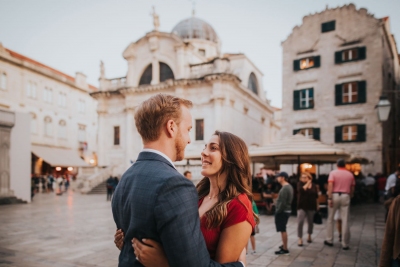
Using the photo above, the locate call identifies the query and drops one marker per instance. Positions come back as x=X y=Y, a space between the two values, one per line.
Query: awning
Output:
x=58 y=157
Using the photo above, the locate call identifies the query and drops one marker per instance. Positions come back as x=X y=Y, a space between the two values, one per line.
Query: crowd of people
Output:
x=47 y=183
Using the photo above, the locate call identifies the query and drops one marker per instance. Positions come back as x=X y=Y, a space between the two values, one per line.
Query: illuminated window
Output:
x=349 y=133
x=350 y=92
x=306 y=63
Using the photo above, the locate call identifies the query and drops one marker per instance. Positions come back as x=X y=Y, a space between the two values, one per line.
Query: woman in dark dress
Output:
x=307 y=204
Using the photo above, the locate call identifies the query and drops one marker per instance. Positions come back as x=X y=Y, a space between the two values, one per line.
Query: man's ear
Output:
x=171 y=128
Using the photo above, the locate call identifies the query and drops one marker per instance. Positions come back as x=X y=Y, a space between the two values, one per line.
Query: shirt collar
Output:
x=159 y=153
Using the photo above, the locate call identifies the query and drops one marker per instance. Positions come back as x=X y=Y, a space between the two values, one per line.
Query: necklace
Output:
x=209 y=197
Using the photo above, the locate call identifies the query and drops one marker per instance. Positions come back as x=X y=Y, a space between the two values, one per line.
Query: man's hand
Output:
x=119 y=239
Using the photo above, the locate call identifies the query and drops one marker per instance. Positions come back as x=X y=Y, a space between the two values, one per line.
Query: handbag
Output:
x=317 y=218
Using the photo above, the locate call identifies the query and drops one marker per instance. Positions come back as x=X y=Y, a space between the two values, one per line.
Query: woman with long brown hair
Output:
x=226 y=215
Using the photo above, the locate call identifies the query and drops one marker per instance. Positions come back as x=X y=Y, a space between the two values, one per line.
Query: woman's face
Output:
x=211 y=158
x=304 y=178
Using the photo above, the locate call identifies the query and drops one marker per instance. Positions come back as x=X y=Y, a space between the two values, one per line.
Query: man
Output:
x=340 y=190
x=390 y=183
x=153 y=200
x=283 y=210
x=188 y=175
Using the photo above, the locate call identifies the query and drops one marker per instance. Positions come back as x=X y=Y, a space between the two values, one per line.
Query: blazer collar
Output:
x=146 y=155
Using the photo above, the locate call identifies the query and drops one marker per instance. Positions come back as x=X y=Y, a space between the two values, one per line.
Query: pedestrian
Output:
x=115 y=183
x=110 y=187
x=66 y=182
x=268 y=195
x=391 y=182
x=307 y=204
x=59 y=181
x=283 y=210
x=50 y=180
x=254 y=232
x=390 y=253
x=341 y=185
x=188 y=175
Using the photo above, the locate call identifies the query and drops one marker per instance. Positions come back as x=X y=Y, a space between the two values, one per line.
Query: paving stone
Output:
x=76 y=230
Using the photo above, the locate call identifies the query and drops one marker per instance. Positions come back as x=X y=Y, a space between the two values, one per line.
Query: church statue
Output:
x=156 y=19
x=102 y=71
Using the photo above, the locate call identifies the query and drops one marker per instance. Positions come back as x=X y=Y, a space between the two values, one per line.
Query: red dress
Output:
x=239 y=210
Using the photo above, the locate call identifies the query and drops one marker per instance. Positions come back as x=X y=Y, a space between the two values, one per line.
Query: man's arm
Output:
x=178 y=225
x=329 y=193
x=280 y=201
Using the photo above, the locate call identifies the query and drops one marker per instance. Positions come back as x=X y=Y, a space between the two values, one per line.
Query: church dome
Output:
x=194 y=28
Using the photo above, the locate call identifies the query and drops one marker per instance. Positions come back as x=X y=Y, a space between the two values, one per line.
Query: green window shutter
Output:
x=361 y=133
x=296 y=65
x=317 y=61
x=296 y=100
x=338 y=134
x=311 y=94
x=338 y=94
x=295 y=131
x=316 y=133
x=338 y=57
x=362 y=53
x=362 y=92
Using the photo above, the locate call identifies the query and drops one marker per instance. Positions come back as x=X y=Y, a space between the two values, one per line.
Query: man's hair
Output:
x=186 y=172
x=155 y=112
x=341 y=163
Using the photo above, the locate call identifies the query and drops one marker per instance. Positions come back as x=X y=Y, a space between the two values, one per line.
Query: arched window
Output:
x=165 y=72
x=62 y=129
x=48 y=127
x=3 y=81
x=147 y=75
x=253 y=85
x=33 y=123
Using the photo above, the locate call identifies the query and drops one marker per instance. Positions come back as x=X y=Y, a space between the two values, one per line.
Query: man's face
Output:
x=183 y=137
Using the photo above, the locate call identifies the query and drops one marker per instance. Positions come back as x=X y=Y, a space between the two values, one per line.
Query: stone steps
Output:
x=11 y=200
x=99 y=189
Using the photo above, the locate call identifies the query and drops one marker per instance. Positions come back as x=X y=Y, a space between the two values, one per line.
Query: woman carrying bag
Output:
x=307 y=204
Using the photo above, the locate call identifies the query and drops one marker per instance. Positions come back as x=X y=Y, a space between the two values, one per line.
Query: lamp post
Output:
x=383 y=108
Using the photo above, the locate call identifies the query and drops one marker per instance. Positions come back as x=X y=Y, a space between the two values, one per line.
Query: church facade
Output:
x=226 y=91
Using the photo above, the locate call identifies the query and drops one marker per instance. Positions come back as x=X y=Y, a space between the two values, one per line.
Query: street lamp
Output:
x=383 y=108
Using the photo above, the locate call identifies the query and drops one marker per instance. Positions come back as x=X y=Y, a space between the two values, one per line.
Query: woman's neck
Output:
x=217 y=184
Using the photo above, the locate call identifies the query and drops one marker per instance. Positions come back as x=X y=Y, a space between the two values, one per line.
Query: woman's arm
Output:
x=232 y=241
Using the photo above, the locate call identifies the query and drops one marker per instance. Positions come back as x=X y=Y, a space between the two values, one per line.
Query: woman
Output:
x=225 y=209
x=307 y=204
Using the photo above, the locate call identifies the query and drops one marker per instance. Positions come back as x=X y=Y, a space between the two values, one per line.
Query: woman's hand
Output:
x=150 y=253
x=119 y=239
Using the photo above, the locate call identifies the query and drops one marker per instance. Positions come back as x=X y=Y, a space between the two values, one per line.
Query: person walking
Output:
x=254 y=232
x=283 y=210
x=307 y=204
x=390 y=183
x=110 y=187
x=341 y=185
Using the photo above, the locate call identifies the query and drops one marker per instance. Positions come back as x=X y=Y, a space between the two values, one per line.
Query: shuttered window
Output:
x=350 y=93
x=308 y=132
x=328 y=26
x=350 y=133
x=307 y=63
x=348 y=55
x=200 y=129
x=303 y=99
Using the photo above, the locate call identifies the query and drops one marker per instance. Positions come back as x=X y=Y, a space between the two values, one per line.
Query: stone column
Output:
x=156 y=71
x=130 y=128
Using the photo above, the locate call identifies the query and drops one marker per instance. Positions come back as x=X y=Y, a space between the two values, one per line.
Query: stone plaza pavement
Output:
x=77 y=230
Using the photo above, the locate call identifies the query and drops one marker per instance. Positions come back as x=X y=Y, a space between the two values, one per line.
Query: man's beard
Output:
x=179 y=147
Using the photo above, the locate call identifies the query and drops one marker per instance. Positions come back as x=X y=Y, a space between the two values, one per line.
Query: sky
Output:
x=74 y=35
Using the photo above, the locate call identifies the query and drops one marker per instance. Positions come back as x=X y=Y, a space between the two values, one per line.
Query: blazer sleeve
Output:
x=178 y=225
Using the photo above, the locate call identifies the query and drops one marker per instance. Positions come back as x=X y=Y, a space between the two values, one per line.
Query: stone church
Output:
x=225 y=88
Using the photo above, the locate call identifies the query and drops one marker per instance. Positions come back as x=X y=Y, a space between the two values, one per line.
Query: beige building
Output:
x=336 y=65
x=63 y=118
x=226 y=90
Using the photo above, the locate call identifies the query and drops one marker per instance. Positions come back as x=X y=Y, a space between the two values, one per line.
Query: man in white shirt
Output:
x=391 y=182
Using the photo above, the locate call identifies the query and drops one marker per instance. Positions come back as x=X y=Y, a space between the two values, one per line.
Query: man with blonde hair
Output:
x=153 y=200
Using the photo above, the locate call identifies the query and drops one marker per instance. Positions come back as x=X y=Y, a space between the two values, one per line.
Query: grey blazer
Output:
x=153 y=200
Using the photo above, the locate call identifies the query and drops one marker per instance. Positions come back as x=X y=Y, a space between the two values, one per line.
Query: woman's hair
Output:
x=236 y=166
x=307 y=174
